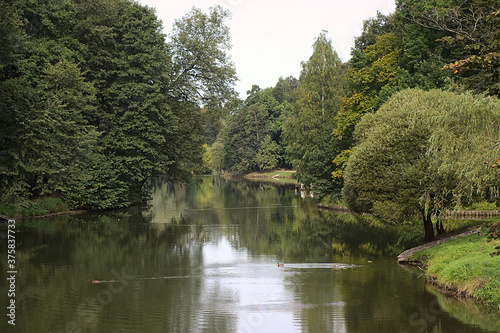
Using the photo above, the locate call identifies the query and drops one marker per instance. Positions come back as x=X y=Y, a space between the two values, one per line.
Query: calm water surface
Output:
x=203 y=258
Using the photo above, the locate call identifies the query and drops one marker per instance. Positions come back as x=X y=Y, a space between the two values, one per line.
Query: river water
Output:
x=204 y=258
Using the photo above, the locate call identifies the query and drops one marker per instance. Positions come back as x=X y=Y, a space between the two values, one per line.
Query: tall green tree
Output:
x=45 y=96
x=11 y=47
x=373 y=76
x=201 y=69
x=200 y=73
x=150 y=124
x=307 y=132
x=283 y=93
x=135 y=117
x=245 y=130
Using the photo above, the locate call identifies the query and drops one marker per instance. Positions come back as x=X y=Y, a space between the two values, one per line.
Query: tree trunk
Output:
x=428 y=227
x=439 y=227
x=439 y=223
x=256 y=127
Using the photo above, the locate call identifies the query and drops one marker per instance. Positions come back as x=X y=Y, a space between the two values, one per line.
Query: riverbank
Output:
x=461 y=264
x=275 y=176
x=70 y=212
x=448 y=214
x=43 y=207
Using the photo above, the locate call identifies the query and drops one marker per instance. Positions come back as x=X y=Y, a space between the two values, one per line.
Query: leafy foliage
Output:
x=422 y=151
x=307 y=131
x=93 y=101
x=267 y=158
x=253 y=133
x=201 y=69
x=372 y=76
x=217 y=156
x=471 y=29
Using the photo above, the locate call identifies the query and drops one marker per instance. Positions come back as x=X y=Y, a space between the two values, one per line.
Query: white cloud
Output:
x=272 y=37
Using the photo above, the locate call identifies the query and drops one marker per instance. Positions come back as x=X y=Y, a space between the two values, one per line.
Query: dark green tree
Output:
x=11 y=86
x=267 y=157
x=283 y=90
x=92 y=100
x=10 y=34
x=259 y=116
x=307 y=131
x=245 y=129
x=187 y=142
x=44 y=97
x=135 y=117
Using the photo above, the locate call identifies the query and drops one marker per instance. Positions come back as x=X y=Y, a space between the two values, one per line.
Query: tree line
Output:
x=408 y=125
x=95 y=101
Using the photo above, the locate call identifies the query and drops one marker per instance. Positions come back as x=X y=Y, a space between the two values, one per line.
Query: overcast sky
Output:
x=272 y=37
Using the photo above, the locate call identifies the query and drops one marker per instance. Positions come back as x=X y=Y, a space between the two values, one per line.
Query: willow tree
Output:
x=307 y=132
x=423 y=152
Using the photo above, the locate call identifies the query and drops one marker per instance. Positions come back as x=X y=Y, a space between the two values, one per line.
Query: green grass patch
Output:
x=333 y=200
x=482 y=206
x=36 y=207
x=465 y=264
x=453 y=225
x=276 y=176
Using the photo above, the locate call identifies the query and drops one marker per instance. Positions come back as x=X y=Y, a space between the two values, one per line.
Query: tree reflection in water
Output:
x=203 y=257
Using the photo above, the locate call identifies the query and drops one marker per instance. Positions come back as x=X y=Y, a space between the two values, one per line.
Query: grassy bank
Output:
x=464 y=266
x=43 y=206
x=282 y=176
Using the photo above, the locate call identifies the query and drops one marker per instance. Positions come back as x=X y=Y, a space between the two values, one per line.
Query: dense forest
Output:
x=96 y=101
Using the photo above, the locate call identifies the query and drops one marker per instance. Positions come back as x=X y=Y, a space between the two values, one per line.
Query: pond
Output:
x=204 y=258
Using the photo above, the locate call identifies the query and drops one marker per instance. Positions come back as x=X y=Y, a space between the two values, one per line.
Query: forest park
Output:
x=98 y=98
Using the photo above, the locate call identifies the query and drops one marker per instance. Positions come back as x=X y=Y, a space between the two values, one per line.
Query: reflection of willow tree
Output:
x=304 y=233
x=389 y=308
x=340 y=294
x=364 y=236
x=52 y=289
x=397 y=300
